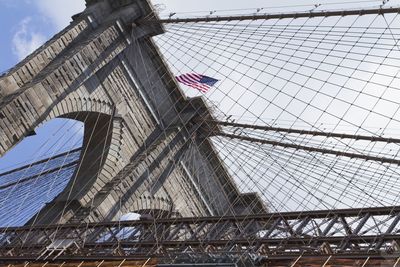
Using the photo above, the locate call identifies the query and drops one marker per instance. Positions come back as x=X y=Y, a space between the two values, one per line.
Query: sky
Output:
x=27 y=24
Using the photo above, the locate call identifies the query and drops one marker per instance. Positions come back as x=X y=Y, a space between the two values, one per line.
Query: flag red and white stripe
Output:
x=200 y=82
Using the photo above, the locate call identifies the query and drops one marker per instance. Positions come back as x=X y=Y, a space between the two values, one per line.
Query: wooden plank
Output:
x=127 y=263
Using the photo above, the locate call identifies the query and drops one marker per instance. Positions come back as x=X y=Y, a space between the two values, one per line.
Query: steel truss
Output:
x=372 y=232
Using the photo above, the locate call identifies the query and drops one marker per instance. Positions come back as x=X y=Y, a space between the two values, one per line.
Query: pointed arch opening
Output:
x=42 y=177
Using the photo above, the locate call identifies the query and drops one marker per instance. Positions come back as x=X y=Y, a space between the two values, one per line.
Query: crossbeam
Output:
x=267 y=128
x=309 y=148
x=373 y=230
x=313 y=14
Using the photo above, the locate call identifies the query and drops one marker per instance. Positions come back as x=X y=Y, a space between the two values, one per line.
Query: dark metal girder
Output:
x=375 y=211
x=164 y=237
x=290 y=241
x=309 y=149
x=358 y=12
x=307 y=132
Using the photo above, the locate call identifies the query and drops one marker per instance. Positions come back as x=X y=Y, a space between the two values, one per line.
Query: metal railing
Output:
x=349 y=232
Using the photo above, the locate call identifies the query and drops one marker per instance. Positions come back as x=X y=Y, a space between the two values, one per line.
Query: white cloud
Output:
x=60 y=11
x=26 y=40
x=130 y=217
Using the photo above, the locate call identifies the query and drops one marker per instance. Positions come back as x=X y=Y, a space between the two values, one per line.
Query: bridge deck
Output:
x=296 y=262
x=342 y=234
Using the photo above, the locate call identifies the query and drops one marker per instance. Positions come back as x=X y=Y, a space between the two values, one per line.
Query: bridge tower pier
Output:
x=105 y=70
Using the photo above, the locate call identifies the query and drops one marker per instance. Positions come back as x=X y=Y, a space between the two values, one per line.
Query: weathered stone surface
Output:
x=136 y=127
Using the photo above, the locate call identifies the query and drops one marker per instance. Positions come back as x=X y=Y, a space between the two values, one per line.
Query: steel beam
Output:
x=309 y=148
x=314 y=14
x=307 y=132
x=281 y=234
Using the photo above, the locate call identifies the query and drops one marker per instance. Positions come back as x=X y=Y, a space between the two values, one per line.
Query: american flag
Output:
x=200 y=82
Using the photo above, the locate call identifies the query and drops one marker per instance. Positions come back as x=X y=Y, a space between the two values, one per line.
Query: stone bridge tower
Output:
x=105 y=70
